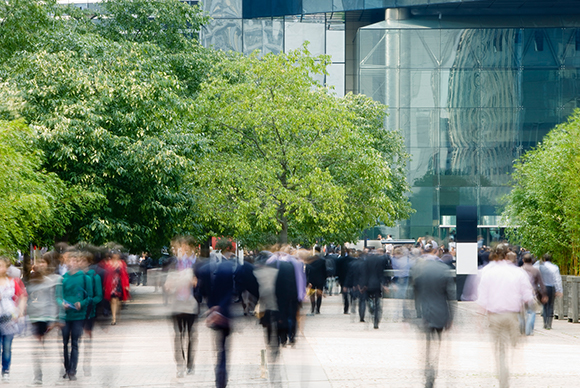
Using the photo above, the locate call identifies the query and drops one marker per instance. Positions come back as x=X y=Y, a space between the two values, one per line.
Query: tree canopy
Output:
x=30 y=199
x=542 y=209
x=142 y=134
x=111 y=105
x=293 y=160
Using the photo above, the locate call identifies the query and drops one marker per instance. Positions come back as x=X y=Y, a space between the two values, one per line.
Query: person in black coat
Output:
x=216 y=283
x=435 y=293
x=145 y=263
x=375 y=266
x=316 y=279
x=356 y=279
x=342 y=269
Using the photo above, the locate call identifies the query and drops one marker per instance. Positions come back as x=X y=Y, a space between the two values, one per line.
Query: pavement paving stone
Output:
x=333 y=350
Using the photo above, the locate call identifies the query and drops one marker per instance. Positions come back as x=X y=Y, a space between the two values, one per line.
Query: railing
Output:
x=567 y=307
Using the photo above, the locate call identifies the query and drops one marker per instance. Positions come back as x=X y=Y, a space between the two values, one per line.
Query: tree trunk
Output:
x=283 y=235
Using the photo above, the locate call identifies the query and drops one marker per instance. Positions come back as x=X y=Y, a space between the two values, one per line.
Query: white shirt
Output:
x=503 y=287
x=550 y=274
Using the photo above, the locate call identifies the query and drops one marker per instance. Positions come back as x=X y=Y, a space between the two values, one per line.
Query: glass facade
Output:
x=469 y=98
x=325 y=33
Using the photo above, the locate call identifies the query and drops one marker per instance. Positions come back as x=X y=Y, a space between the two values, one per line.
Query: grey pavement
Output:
x=332 y=350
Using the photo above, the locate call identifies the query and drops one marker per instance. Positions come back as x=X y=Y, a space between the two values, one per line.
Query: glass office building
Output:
x=471 y=85
x=470 y=94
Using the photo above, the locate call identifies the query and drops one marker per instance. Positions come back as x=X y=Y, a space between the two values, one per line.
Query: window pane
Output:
x=299 y=32
x=223 y=8
x=223 y=34
x=335 y=45
x=266 y=35
x=335 y=78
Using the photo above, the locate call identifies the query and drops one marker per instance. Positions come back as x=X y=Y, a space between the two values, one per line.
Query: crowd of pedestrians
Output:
x=69 y=286
x=64 y=290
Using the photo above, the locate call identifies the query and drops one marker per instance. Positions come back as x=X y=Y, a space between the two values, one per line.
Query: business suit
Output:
x=342 y=268
x=217 y=285
x=435 y=293
x=375 y=266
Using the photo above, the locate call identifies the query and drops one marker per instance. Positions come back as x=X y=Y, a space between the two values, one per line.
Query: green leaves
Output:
x=171 y=24
x=543 y=205
x=112 y=105
x=30 y=199
x=291 y=158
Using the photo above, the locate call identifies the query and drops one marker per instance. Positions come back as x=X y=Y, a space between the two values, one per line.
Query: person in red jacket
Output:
x=116 y=283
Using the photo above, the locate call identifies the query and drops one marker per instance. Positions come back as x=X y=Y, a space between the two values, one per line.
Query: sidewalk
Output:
x=332 y=350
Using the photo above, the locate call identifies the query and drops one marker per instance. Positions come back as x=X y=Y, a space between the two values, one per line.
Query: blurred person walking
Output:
x=539 y=292
x=375 y=281
x=76 y=295
x=502 y=291
x=401 y=264
x=287 y=295
x=553 y=282
x=42 y=307
x=357 y=278
x=179 y=286
x=217 y=285
x=316 y=279
x=13 y=300
x=116 y=283
x=434 y=289
x=268 y=312
x=343 y=264
x=330 y=262
x=145 y=264
x=85 y=260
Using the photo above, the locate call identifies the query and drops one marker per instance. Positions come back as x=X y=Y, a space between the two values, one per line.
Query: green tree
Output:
x=112 y=102
x=168 y=23
x=33 y=203
x=542 y=208
x=23 y=24
x=293 y=160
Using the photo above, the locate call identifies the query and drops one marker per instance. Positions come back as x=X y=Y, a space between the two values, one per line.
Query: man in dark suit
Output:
x=375 y=280
x=216 y=282
x=316 y=279
x=435 y=293
x=342 y=268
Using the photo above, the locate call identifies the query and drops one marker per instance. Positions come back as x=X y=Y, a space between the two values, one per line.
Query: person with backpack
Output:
x=86 y=259
x=75 y=296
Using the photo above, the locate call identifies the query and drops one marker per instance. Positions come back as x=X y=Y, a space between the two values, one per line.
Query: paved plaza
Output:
x=332 y=350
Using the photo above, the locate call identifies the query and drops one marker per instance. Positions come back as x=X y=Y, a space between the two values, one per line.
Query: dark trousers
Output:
x=345 y=301
x=433 y=344
x=143 y=276
x=221 y=374
x=287 y=323
x=72 y=332
x=548 y=311
x=362 y=304
x=375 y=297
x=184 y=339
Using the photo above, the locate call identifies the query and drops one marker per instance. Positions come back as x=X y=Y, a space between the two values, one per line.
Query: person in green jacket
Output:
x=76 y=295
x=86 y=259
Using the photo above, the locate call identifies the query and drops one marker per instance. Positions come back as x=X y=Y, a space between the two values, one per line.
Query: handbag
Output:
x=216 y=320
